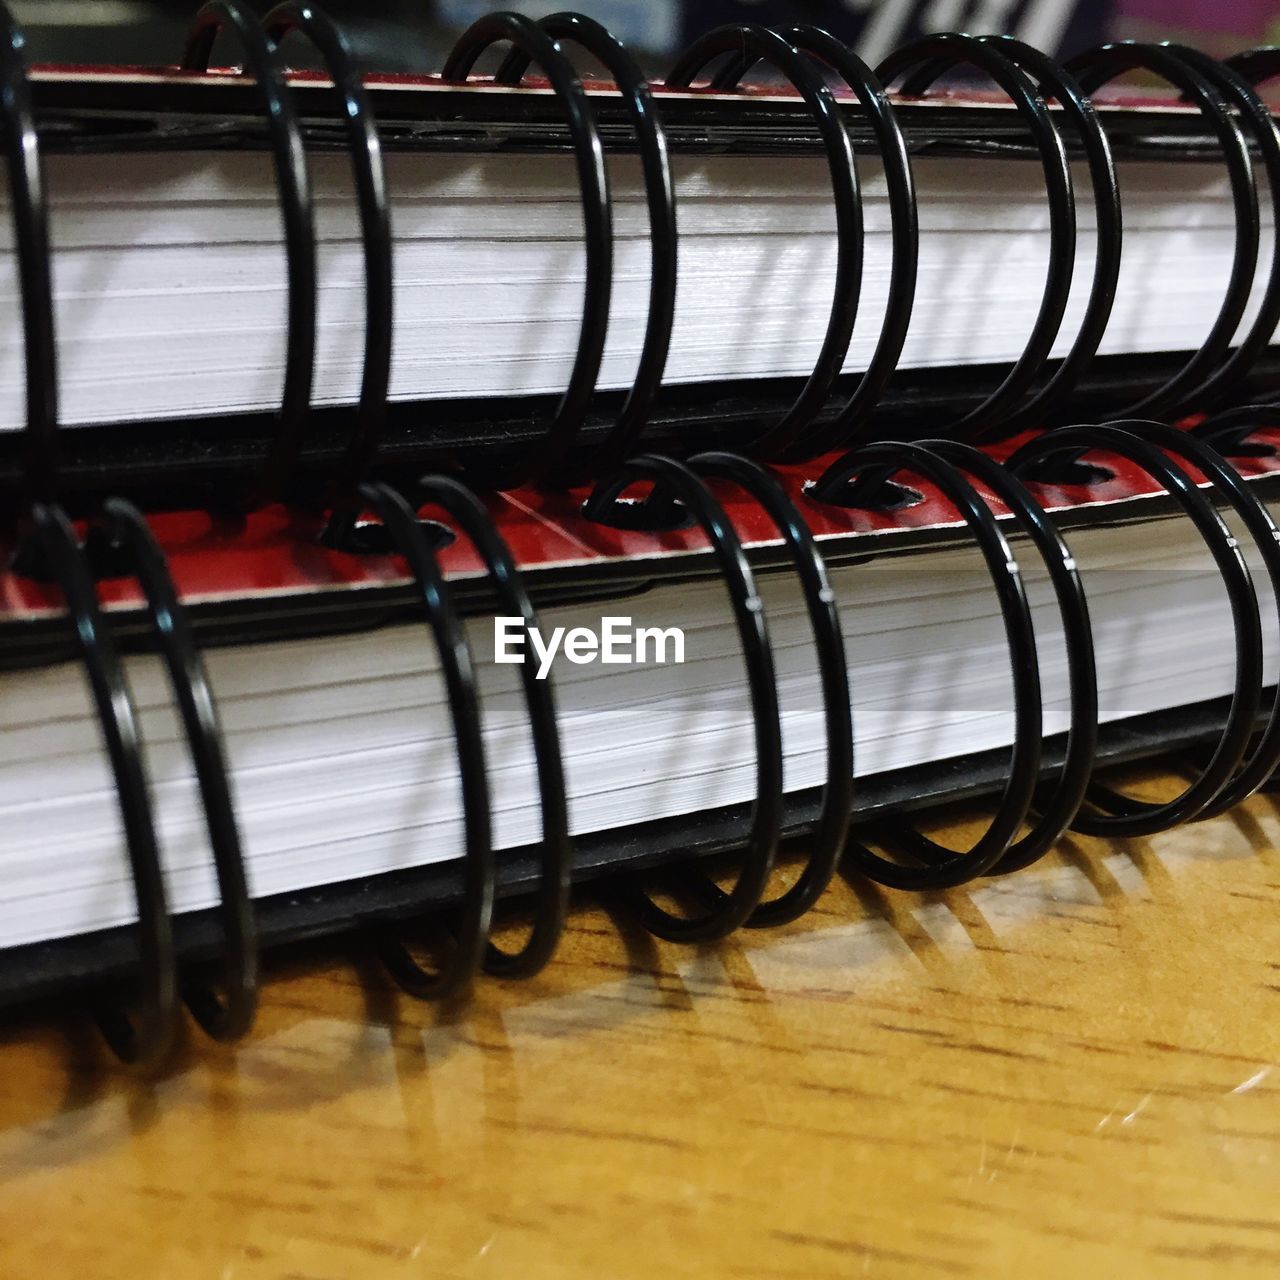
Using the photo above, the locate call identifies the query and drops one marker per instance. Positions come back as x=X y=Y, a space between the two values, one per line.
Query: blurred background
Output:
x=412 y=35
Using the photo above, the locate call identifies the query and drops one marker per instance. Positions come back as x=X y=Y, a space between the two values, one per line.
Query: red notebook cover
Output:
x=277 y=553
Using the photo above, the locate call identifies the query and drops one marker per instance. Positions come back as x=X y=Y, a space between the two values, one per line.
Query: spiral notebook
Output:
x=634 y=369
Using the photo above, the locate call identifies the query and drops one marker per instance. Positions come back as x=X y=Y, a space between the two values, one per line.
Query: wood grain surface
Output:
x=1071 y=1071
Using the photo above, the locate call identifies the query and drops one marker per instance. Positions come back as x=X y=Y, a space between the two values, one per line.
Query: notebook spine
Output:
x=1033 y=810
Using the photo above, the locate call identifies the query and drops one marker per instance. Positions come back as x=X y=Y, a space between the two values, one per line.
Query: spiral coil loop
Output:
x=1232 y=490
x=1108 y=221
x=375 y=222
x=828 y=638
x=472 y=948
x=1257 y=118
x=749 y=45
x=847 y=480
x=229 y=1017
x=47 y=530
x=539 y=48
x=660 y=199
x=1121 y=815
x=1229 y=429
x=1099 y=67
x=824 y=620
x=726 y=911
x=468 y=942
x=921 y=63
x=293 y=183
x=552 y=899
x=943 y=867
x=853 y=419
x=148 y=1041
x=1055 y=807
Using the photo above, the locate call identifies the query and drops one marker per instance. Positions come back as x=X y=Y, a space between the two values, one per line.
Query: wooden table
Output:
x=1069 y=1072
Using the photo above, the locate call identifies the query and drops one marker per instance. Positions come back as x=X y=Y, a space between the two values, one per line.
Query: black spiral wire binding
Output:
x=1110 y=812
x=1221 y=784
x=471 y=948
x=350 y=493
x=1217 y=89
x=943 y=867
x=261 y=42
x=468 y=939
x=148 y=1040
x=921 y=62
x=31 y=230
x=904 y=223
x=1199 y=377
x=537 y=47
x=365 y=150
x=1054 y=81
x=293 y=183
x=1235 y=493
x=824 y=620
x=660 y=198
x=726 y=911
x=749 y=45
x=1057 y=804
x=552 y=900
x=1256 y=66
x=1229 y=429
x=783 y=49
x=679 y=491
x=229 y=1016
x=1254 y=114
x=55 y=552
x=1014 y=403
x=1225 y=779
